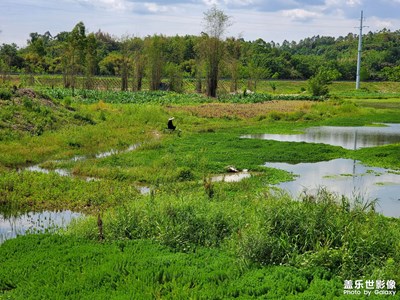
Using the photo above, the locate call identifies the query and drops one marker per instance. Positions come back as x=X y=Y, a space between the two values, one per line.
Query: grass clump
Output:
x=323 y=232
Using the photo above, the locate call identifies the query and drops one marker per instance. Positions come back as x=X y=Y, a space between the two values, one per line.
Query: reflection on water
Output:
x=346 y=137
x=64 y=172
x=33 y=222
x=37 y=168
x=144 y=190
x=113 y=151
x=235 y=177
x=346 y=177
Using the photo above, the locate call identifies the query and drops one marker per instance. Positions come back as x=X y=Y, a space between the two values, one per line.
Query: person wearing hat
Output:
x=170 y=125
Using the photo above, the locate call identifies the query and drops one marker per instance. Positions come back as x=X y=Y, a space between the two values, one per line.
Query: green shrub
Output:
x=5 y=94
x=320 y=232
x=185 y=174
x=318 y=84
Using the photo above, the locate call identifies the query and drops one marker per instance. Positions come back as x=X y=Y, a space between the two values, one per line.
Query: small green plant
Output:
x=273 y=86
x=102 y=116
x=67 y=101
x=185 y=174
x=208 y=187
x=28 y=103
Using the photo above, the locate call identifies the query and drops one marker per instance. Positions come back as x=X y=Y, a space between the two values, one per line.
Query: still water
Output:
x=346 y=137
x=346 y=177
x=34 y=222
x=234 y=177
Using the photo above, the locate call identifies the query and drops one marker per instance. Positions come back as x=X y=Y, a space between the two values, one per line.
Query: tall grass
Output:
x=265 y=229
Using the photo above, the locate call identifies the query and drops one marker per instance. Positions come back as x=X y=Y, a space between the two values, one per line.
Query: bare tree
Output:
x=216 y=22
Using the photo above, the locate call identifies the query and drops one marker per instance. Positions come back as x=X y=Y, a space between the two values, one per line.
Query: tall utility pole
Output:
x=359 y=53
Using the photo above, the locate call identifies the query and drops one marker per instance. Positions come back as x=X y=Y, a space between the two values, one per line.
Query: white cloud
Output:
x=354 y=3
x=211 y=2
x=116 y=5
x=155 y=8
x=299 y=14
x=380 y=23
x=343 y=4
x=239 y=3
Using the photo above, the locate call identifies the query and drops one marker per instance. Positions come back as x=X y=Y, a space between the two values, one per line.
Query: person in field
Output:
x=170 y=124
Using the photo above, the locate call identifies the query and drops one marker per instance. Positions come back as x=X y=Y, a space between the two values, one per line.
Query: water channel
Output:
x=344 y=176
x=34 y=222
x=347 y=137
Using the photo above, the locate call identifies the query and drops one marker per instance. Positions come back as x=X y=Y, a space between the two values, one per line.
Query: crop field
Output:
x=251 y=110
x=157 y=224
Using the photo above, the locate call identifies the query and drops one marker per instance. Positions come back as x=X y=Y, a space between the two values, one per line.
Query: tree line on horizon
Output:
x=207 y=55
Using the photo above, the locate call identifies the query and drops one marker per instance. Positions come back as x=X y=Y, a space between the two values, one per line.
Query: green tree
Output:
x=110 y=65
x=174 y=73
x=91 y=60
x=155 y=55
x=126 y=63
x=139 y=63
x=256 y=73
x=391 y=73
x=318 y=84
x=10 y=57
x=233 y=47
x=74 y=54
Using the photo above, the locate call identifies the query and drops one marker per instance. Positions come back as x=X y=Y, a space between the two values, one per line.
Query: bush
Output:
x=318 y=84
x=320 y=232
x=185 y=174
x=5 y=94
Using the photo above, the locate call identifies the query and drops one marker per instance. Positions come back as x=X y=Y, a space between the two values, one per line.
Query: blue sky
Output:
x=251 y=19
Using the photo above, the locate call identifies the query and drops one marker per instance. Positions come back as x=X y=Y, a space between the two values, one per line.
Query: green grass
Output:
x=215 y=151
x=189 y=237
x=219 y=249
x=69 y=268
x=24 y=115
x=389 y=103
x=35 y=191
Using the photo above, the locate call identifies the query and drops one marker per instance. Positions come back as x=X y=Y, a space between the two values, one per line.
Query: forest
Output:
x=176 y=57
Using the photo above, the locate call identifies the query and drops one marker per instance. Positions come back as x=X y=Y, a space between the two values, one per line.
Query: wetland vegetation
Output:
x=190 y=236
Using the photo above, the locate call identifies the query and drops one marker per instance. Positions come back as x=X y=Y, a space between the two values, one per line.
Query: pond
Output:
x=346 y=177
x=347 y=137
x=33 y=222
